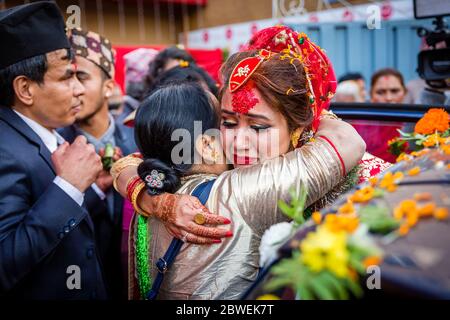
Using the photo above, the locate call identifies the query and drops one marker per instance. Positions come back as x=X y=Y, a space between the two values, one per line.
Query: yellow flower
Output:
x=268 y=297
x=432 y=140
x=414 y=171
x=324 y=249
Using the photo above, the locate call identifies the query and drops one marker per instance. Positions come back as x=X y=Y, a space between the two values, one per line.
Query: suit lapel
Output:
x=10 y=117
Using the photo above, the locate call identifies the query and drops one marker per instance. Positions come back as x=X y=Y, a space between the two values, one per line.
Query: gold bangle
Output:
x=120 y=165
x=134 y=198
x=128 y=182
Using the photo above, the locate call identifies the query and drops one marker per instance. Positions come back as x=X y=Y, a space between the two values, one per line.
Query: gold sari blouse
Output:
x=248 y=196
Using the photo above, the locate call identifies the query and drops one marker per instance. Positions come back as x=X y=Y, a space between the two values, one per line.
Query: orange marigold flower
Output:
x=398 y=176
x=441 y=213
x=423 y=196
x=420 y=153
x=398 y=213
x=371 y=261
x=412 y=218
x=446 y=149
x=414 y=171
x=407 y=208
x=391 y=187
x=317 y=217
x=363 y=195
x=337 y=223
x=403 y=157
x=434 y=120
x=403 y=230
x=347 y=207
x=427 y=210
x=408 y=205
x=353 y=274
x=448 y=166
x=373 y=181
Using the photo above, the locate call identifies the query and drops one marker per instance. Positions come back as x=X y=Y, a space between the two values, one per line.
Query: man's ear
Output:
x=24 y=90
x=208 y=148
x=108 y=88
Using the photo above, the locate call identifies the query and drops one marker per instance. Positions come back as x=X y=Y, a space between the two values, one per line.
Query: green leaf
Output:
x=336 y=283
x=354 y=287
x=378 y=219
x=286 y=209
x=404 y=134
x=321 y=289
x=303 y=292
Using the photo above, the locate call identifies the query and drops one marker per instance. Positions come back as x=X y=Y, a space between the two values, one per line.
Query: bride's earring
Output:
x=214 y=155
x=295 y=137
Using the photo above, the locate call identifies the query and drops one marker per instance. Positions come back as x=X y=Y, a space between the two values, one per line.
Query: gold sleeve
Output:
x=254 y=191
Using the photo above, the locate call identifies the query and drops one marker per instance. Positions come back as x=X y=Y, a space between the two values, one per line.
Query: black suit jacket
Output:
x=43 y=231
x=108 y=225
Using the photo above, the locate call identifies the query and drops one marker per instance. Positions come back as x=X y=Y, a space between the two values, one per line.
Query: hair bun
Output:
x=158 y=176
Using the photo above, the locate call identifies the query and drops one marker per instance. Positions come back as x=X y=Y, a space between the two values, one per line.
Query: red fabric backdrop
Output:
x=210 y=60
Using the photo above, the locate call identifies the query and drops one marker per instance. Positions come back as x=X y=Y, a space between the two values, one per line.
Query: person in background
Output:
x=387 y=86
x=136 y=69
x=359 y=80
x=348 y=91
x=414 y=89
x=116 y=103
x=165 y=60
x=47 y=238
x=189 y=73
x=95 y=70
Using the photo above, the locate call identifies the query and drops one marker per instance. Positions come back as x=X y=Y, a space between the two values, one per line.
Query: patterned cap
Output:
x=94 y=47
x=136 y=63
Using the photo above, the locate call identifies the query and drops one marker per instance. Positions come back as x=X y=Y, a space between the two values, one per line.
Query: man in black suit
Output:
x=95 y=70
x=47 y=239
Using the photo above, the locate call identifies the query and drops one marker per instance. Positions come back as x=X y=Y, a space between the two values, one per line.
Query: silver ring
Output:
x=184 y=237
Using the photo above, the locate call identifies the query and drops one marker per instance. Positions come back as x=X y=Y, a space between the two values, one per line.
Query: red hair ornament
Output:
x=243 y=98
x=318 y=68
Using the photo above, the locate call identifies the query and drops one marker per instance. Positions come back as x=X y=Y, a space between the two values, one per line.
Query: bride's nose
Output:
x=242 y=139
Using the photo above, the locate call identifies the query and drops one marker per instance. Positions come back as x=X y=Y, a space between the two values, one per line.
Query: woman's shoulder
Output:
x=189 y=183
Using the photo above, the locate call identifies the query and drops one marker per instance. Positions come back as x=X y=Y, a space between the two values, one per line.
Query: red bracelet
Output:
x=132 y=185
x=335 y=150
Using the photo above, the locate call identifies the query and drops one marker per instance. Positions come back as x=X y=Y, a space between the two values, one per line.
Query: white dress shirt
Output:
x=51 y=140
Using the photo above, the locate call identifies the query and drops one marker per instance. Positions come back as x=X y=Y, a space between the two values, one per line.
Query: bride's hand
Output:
x=178 y=212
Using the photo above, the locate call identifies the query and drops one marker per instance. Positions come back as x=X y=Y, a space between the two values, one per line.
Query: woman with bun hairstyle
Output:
x=286 y=92
x=245 y=196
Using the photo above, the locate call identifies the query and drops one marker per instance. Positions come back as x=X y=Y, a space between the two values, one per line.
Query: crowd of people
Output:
x=74 y=225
